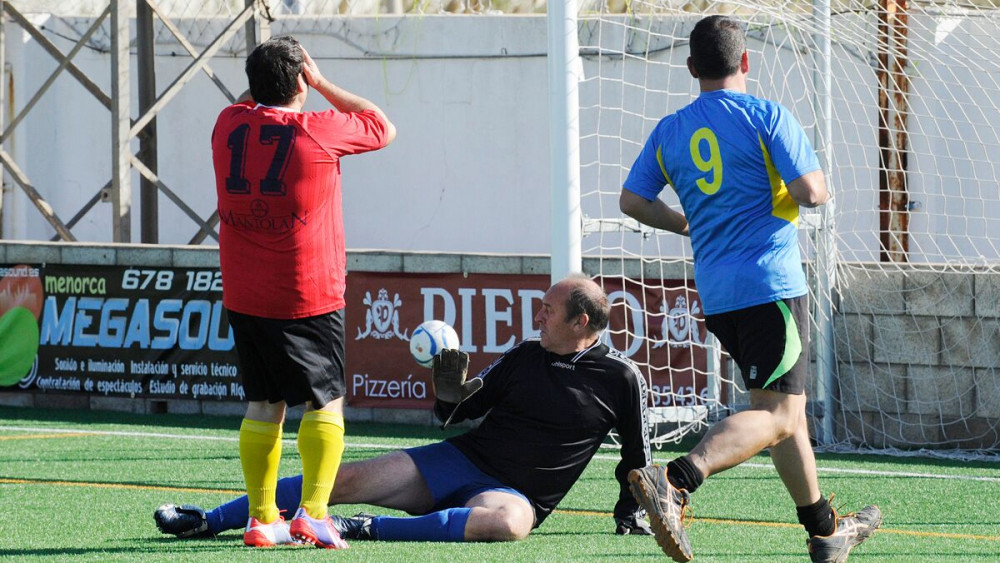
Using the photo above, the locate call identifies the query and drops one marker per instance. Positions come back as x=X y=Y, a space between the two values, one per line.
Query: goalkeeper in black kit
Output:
x=547 y=405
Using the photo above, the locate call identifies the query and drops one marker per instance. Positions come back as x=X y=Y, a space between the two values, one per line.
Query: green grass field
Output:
x=82 y=486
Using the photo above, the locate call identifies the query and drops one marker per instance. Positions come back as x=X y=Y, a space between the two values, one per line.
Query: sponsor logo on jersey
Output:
x=259 y=219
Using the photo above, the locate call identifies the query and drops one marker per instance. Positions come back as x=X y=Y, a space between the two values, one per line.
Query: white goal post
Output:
x=902 y=100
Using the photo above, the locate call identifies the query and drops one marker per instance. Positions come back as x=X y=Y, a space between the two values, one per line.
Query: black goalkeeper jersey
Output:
x=546 y=415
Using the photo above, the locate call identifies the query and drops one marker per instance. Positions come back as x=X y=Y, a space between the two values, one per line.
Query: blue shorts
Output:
x=452 y=478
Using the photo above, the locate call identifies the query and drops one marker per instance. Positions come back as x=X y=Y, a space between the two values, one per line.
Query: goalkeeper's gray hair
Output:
x=588 y=298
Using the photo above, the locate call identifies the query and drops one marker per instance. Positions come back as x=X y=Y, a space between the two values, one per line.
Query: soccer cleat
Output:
x=276 y=533
x=850 y=531
x=184 y=521
x=665 y=506
x=633 y=525
x=321 y=533
x=357 y=527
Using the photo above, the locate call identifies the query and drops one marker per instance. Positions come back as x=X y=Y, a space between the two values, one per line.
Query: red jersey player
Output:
x=283 y=259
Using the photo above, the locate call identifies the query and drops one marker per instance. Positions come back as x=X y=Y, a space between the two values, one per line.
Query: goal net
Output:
x=902 y=102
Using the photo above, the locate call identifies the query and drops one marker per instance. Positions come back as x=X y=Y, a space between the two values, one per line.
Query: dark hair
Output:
x=273 y=68
x=590 y=299
x=717 y=46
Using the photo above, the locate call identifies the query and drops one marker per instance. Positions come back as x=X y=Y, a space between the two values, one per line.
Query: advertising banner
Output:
x=163 y=333
x=117 y=331
x=491 y=312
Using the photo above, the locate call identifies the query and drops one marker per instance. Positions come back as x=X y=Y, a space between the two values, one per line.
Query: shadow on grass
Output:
x=191 y=547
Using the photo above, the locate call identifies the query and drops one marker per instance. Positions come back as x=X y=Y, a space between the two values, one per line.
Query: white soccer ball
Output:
x=429 y=339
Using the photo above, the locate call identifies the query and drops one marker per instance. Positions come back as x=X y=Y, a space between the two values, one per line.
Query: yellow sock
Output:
x=260 y=454
x=321 y=446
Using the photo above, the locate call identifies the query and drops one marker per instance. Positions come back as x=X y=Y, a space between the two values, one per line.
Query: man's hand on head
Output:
x=310 y=70
x=448 y=377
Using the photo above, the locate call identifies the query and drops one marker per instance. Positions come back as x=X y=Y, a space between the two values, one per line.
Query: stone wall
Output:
x=918 y=356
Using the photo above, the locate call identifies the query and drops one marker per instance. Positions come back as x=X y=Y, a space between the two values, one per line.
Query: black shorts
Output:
x=769 y=342
x=291 y=360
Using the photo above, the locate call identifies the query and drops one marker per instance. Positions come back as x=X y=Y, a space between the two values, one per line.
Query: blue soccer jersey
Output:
x=727 y=155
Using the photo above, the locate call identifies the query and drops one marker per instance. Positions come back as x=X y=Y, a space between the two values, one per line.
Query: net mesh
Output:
x=904 y=261
x=289 y=8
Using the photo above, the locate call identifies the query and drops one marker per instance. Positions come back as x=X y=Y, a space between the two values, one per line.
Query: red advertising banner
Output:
x=491 y=312
x=661 y=328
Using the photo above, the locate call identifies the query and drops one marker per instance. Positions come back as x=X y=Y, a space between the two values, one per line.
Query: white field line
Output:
x=864 y=472
x=907 y=474
x=234 y=439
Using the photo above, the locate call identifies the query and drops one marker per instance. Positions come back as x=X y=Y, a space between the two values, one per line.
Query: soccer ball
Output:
x=429 y=339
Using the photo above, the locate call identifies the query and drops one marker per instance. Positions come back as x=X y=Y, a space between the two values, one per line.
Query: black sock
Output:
x=818 y=518
x=684 y=475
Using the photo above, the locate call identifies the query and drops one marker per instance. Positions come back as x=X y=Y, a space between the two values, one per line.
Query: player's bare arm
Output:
x=341 y=99
x=654 y=213
x=809 y=190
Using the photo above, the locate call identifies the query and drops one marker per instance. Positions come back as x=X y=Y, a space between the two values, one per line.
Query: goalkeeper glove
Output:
x=448 y=377
x=634 y=524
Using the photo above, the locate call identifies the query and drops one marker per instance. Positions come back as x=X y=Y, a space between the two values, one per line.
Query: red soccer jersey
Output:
x=281 y=232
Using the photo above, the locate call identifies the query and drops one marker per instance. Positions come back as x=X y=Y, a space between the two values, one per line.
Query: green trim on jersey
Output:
x=793 y=345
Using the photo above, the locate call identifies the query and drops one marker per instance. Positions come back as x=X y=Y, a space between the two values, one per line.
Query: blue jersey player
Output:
x=741 y=167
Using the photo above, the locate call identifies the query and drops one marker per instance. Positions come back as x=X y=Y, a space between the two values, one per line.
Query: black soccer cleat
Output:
x=666 y=506
x=633 y=525
x=851 y=530
x=357 y=527
x=184 y=521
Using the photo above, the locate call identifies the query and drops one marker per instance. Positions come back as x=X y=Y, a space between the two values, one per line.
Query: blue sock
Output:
x=444 y=525
x=234 y=514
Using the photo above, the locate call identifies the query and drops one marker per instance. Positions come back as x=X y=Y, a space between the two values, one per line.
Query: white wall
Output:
x=469 y=169
x=467 y=172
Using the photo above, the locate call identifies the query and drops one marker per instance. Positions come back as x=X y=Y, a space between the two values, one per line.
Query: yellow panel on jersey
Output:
x=260 y=454
x=782 y=204
x=321 y=447
x=659 y=158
